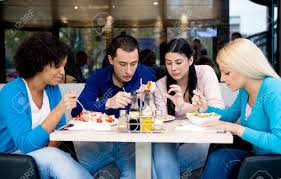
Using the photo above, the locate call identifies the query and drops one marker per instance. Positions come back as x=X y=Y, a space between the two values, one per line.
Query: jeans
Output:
x=54 y=163
x=224 y=163
x=95 y=156
x=169 y=159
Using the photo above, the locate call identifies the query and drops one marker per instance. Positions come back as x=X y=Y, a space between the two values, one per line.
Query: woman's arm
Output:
x=54 y=144
x=160 y=100
x=209 y=86
x=67 y=103
x=18 y=119
x=234 y=128
x=270 y=139
x=230 y=114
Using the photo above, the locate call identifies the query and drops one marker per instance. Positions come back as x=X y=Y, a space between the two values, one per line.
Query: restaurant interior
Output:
x=89 y=26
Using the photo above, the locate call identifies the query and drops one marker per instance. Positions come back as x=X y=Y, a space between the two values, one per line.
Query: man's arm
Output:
x=88 y=97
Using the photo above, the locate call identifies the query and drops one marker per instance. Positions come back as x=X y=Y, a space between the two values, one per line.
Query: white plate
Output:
x=200 y=120
x=116 y=121
x=167 y=118
x=79 y=125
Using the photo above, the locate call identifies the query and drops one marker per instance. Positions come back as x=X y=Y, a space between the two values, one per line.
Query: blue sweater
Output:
x=16 y=119
x=100 y=86
x=263 y=126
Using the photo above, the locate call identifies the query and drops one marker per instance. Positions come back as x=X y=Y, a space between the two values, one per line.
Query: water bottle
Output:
x=123 y=118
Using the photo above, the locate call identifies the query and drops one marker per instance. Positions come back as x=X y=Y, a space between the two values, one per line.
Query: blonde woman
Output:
x=245 y=68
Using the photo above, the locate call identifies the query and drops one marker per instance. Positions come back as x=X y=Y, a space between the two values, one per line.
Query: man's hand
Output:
x=120 y=100
x=142 y=91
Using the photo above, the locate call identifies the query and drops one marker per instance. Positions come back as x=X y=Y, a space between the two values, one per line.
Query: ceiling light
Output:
x=155 y=3
x=75 y=7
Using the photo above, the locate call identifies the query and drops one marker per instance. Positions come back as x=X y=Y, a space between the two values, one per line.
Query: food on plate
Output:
x=200 y=118
x=96 y=117
x=205 y=115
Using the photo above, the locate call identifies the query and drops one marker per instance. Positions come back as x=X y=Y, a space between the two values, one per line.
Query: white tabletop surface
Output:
x=168 y=136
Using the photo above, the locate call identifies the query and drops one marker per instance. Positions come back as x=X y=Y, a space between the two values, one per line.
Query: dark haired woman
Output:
x=173 y=97
x=32 y=107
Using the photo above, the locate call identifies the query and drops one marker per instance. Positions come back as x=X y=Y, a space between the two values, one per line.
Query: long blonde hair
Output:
x=246 y=58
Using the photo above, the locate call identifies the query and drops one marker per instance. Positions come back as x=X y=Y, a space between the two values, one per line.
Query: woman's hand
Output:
x=54 y=144
x=68 y=102
x=177 y=99
x=226 y=126
x=199 y=101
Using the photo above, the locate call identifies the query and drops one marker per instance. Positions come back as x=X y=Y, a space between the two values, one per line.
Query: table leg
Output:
x=143 y=160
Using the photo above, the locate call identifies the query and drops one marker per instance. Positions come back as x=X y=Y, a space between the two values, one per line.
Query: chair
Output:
x=266 y=166
x=160 y=71
x=15 y=166
x=253 y=167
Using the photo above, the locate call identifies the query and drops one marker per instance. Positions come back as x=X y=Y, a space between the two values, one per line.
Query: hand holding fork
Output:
x=199 y=102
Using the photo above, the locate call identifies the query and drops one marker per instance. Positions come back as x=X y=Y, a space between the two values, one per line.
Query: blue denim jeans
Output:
x=96 y=155
x=224 y=163
x=170 y=159
x=54 y=163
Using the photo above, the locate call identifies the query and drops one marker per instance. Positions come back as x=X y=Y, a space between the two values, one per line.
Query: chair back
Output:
x=15 y=166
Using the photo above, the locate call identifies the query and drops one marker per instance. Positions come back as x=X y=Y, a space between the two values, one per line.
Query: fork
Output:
x=197 y=110
x=83 y=108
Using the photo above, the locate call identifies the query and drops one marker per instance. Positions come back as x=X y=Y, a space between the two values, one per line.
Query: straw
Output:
x=141 y=96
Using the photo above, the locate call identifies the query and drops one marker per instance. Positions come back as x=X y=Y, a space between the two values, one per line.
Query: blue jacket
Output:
x=15 y=118
x=263 y=126
x=100 y=86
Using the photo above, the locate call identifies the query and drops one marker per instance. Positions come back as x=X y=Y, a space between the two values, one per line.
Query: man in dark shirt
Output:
x=108 y=90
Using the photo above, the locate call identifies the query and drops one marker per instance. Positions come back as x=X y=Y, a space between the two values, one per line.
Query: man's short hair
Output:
x=125 y=42
x=236 y=35
x=37 y=51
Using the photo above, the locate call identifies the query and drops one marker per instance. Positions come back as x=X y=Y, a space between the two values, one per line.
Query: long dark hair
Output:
x=181 y=46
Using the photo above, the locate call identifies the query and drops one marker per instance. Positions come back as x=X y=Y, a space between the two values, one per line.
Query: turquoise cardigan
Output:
x=15 y=118
x=263 y=126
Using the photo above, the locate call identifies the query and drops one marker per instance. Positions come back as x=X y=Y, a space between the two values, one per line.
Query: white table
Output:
x=143 y=141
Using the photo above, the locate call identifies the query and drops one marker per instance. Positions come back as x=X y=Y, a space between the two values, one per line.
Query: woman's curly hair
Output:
x=37 y=51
